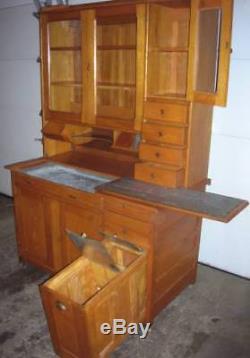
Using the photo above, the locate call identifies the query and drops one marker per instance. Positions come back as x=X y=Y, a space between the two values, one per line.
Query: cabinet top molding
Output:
x=111 y=3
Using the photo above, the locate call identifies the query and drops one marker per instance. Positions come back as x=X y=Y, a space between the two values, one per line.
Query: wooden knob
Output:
x=160 y=134
x=157 y=154
x=162 y=112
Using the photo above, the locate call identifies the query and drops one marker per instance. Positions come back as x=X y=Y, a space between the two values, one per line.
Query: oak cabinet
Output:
x=43 y=217
x=128 y=89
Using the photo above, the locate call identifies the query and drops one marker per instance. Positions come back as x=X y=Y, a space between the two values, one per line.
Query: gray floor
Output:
x=209 y=319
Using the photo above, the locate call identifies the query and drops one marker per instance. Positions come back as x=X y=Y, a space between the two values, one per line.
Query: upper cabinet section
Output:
x=210 y=49
x=101 y=61
x=168 y=42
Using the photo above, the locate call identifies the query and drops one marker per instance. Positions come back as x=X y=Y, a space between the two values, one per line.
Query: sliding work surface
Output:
x=208 y=205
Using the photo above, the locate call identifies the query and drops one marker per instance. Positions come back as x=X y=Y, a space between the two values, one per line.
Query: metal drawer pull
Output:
x=60 y=306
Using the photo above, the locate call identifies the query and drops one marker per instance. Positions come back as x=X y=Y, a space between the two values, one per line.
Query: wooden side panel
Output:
x=140 y=64
x=89 y=66
x=175 y=258
x=199 y=138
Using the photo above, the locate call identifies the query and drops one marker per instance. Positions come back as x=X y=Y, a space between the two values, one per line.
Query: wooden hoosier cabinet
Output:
x=115 y=206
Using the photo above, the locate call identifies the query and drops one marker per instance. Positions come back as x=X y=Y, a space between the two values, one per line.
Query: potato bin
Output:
x=107 y=282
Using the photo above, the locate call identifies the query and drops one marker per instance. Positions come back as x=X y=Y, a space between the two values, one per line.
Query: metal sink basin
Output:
x=84 y=180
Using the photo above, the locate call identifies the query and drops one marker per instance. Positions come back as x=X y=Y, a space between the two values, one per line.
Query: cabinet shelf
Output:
x=65 y=48
x=168 y=95
x=66 y=84
x=169 y=49
x=115 y=47
x=114 y=85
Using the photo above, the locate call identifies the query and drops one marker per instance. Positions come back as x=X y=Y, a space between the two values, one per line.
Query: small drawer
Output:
x=162 y=154
x=169 y=112
x=158 y=174
x=128 y=229
x=164 y=134
x=124 y=207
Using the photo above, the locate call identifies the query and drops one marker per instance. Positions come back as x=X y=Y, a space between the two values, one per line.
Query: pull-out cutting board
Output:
x=207 y=205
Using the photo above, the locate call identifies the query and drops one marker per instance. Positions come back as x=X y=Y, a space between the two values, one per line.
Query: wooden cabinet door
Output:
x=33 y=229
x=81 y=221
x=113 y=52
x=210 y=49
x=61 y=66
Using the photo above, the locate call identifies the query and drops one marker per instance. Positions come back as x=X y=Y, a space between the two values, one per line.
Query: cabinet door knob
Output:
x=160 y=134
x=60 y=306
x=157 y=154
x=162 y=111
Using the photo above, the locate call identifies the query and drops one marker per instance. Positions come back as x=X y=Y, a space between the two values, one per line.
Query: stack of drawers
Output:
x=163 y=148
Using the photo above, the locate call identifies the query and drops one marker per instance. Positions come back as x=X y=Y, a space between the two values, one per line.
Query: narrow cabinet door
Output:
x=33 y=236
x=210 y=49
x=113 y=52
x=61 y=66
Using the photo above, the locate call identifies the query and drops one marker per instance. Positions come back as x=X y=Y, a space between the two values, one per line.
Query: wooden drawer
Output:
x=164 y=134
x=162 y=154
x=171 y=177
x=128 y=208
x=168 y=112
x=88 y=293
x=128 y=229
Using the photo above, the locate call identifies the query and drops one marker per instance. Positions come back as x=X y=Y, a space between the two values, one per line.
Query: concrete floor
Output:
x=209 y=319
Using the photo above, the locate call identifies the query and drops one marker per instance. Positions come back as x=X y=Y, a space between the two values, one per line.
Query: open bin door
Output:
x=107 y=282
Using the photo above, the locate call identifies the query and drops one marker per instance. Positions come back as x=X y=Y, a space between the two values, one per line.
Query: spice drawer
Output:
x=128 y=208
x=164 y=134
x=162 y=154
x=168 y=112
x=88 y=293
x=170 y=176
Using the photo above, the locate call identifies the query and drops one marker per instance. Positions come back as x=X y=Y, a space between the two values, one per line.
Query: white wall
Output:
x=19 y=87
x=228 y=246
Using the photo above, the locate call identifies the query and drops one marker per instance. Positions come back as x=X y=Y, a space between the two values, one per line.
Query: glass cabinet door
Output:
x=168 y=41
x=64 y=68
x=116 y=68
x=210 y=48
x=114 y=64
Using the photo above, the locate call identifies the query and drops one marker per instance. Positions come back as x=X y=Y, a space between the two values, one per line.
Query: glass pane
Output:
x=116 y=68
x=168 y=50
x=65 y=66
x=208 y=50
